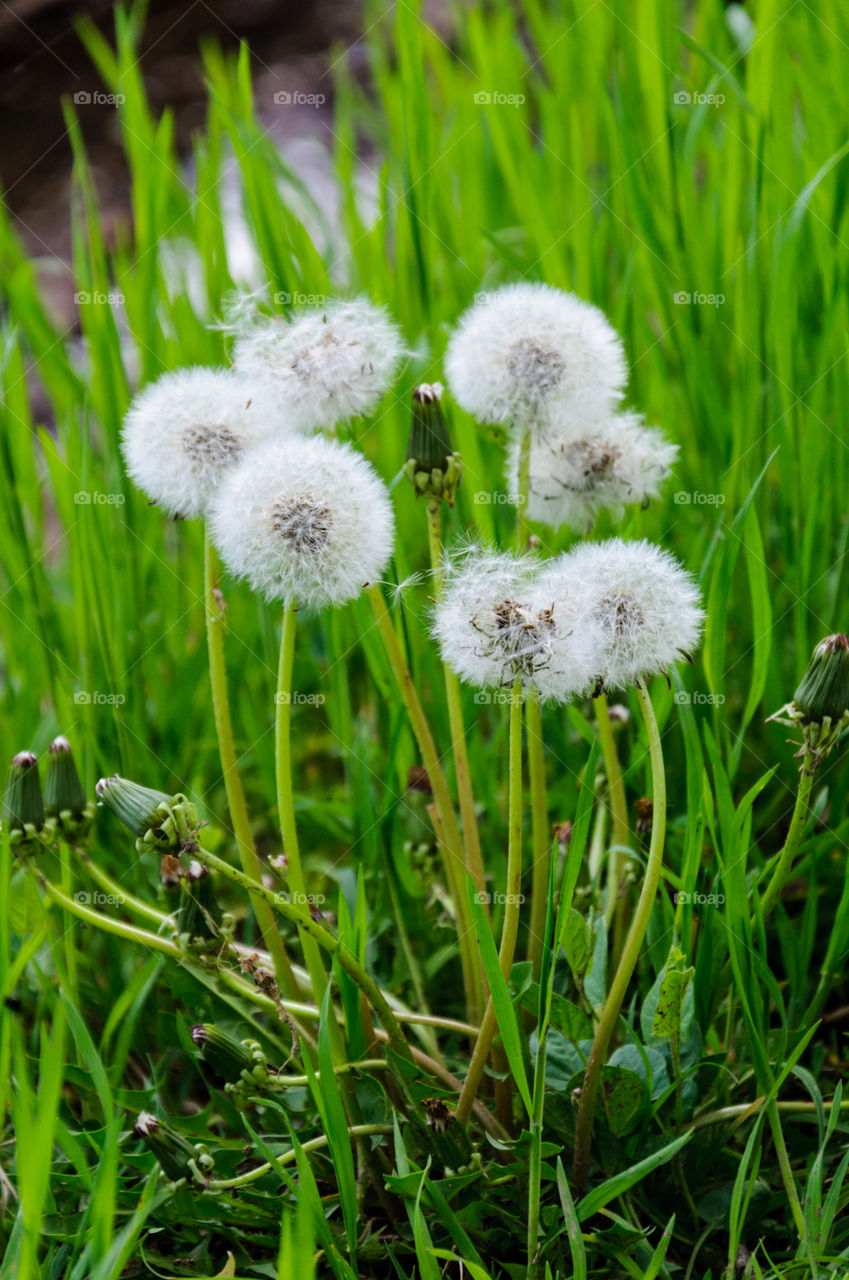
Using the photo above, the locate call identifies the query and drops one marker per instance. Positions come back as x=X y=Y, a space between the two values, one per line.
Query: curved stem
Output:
x=462 y=770
x=107 y=923
x=117 y=890
x=620 y=832
x=540 y=842
x=630 y=955
x=451 y=843
x=791 y=844
x=230 y=768
x=285 y=796
x=289 y=1157
x=513 y=895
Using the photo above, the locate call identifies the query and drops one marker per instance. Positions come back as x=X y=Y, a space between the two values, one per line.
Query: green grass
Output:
x=600 y=182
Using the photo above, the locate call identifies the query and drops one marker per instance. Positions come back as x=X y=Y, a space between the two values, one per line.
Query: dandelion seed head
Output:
x=612 y=462
x=305 y=520
x=641 y=607
x=328 y=363
x=524 y=351
x=184 y=431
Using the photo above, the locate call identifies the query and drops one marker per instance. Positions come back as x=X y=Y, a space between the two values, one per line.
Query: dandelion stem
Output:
x=462 y=771
x=540 y=843
x=621 y=834
x=230 y=769
x=451 y=843
x=117 y=890
x=285 y=796
x=289 y=1157
x=108 y=923
x=791 y=844
x=630 y=954
x=513 y=894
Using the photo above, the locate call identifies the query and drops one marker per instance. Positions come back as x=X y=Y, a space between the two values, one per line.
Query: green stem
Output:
x=540 y=842
x=791 y=844
x=285 y=796
x=462 y=770
x=289 y=1157
x=523 y=529
x=450 y=839
x=786 y=1170
x=615 y=907
x=117 y=890
x=324 y=939
x=248 y=858
x=513 y=894
x=630 y=955
x=100 y=920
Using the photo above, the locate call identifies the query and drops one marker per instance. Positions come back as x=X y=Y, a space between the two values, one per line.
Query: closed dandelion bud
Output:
x=232 y=1060
x=824 y=689
x=23 y=808
x=156 y=820
x=432 y=467
x=176 y=1155
x=64 y=797
x=201 y=918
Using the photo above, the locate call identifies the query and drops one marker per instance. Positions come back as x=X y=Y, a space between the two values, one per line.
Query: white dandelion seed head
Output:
x=493 y=626
x=526 y=350
x=183 y=433
x=305 y=520
x=641 y=607
x=329 y=363
x=611 y=463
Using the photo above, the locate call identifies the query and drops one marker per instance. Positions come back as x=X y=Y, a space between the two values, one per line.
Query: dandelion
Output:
x=186 y=430
x=494 y=626
x=637 y=598
x=571 y=478
x=327 y=364
x=306 y=520
x=526 y=349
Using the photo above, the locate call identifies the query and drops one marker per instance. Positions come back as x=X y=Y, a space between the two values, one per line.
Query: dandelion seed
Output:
x=609 y=466
x=327 y=364
x=643 y=609
x=525 y=350
x=306 y=520
x=186 y=430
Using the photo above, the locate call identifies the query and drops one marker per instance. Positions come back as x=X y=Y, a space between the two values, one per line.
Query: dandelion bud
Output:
x=823 y=692
x=432 y=467
x=23 y=808
x=231 y=1060
x=306 y=520
x=65 y=799
x=156 y=820
x=201 y=918
x=176 y=1155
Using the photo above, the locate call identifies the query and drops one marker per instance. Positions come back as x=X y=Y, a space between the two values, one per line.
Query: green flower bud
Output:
x=65 y=800
x=201 y=918
x=432 y=467
x=156 y=820
x=23 y=807
x=235 y=1061
x=176 y=1155
x=824 y=689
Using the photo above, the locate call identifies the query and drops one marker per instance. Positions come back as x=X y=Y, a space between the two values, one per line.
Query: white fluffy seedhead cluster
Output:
x=494 y=625
x=185 y=431
x=326 y=364
x=643 y=609
x=575 y=472
x=305 y=519
x=524 y=351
